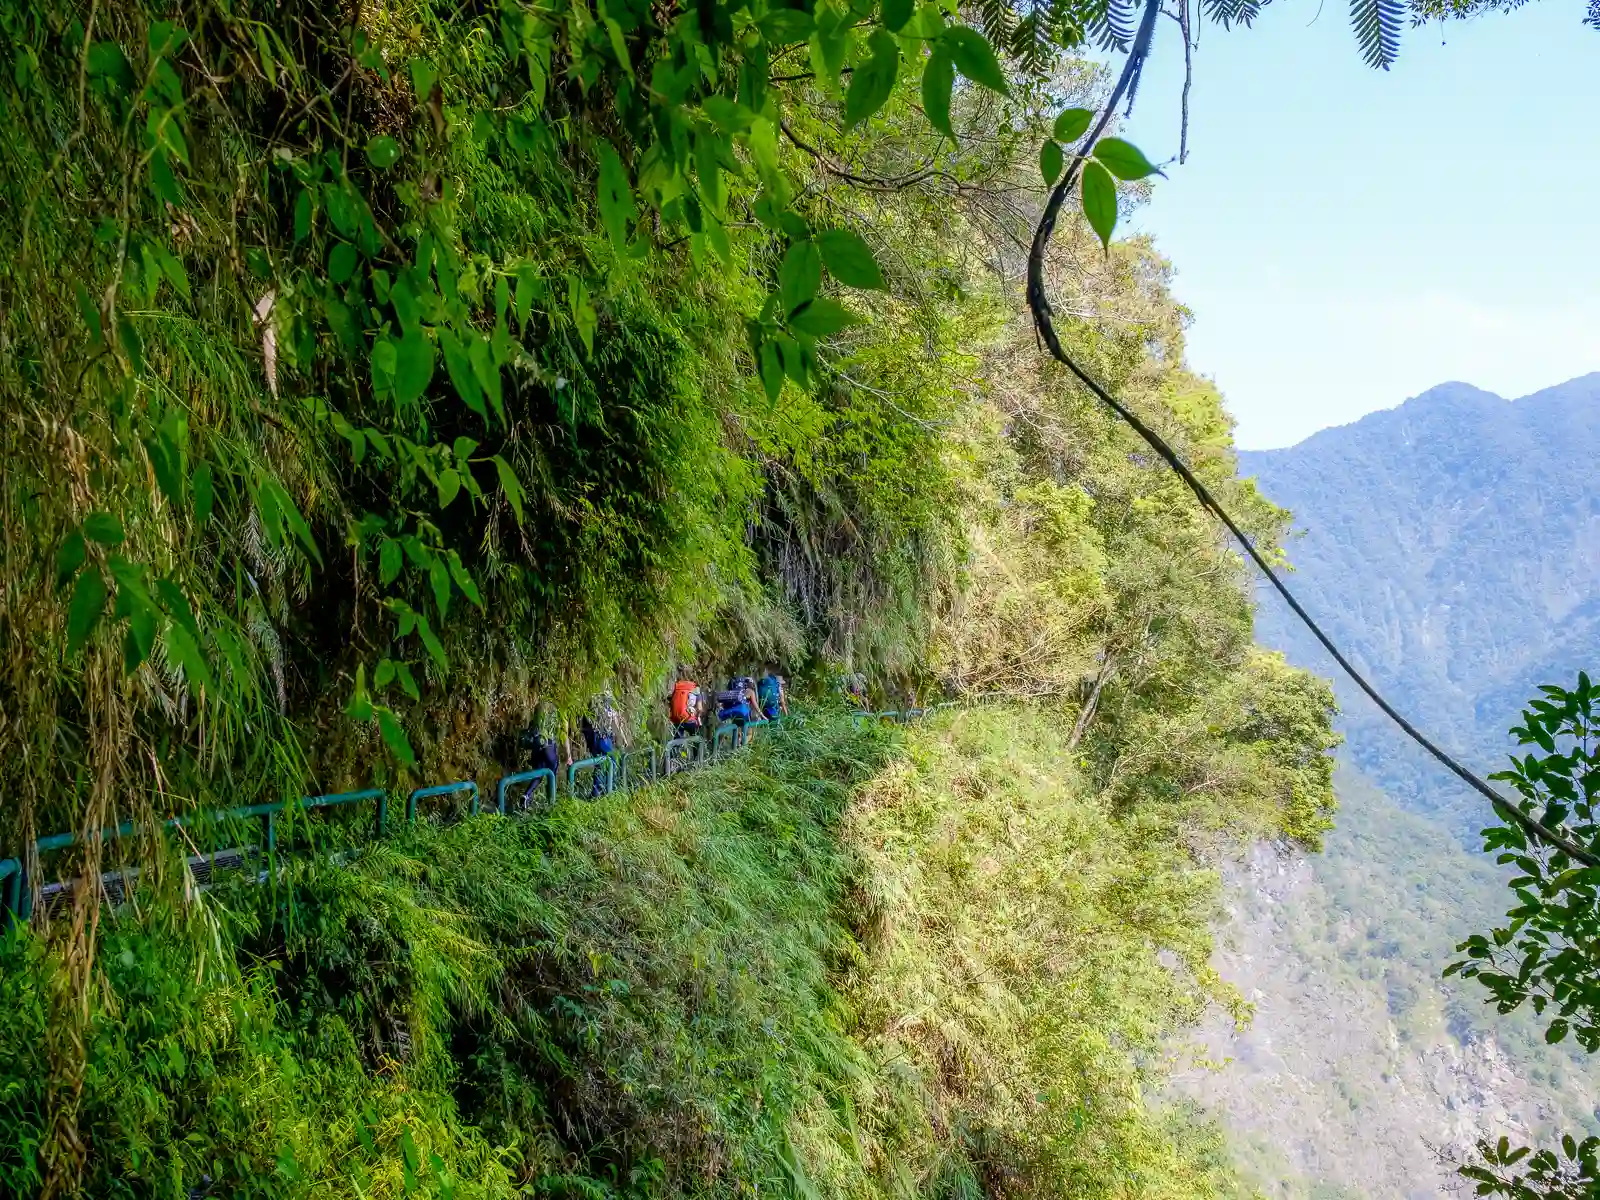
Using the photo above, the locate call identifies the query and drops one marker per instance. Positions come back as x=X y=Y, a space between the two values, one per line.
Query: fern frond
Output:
x=1111 y=23
x=1377 y=25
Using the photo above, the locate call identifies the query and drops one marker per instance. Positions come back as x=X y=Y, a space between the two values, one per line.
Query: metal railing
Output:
x=614 y=772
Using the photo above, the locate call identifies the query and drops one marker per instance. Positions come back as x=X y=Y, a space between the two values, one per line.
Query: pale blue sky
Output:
x=1347 y=238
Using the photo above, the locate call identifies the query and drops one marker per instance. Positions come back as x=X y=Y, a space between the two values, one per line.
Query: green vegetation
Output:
x=371 y=376
x=857 y=962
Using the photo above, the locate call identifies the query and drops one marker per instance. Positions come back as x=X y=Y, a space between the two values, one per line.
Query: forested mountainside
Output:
x=1452 y=545
x=372 y=376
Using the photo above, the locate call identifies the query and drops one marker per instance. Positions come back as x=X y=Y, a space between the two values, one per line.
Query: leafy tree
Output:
x=1547 y=955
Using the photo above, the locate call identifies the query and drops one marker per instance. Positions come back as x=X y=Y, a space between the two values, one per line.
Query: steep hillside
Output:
x=1453 y=545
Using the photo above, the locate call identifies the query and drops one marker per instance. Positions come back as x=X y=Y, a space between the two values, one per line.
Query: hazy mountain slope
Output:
x=1359 y=1061
x=1452 y=545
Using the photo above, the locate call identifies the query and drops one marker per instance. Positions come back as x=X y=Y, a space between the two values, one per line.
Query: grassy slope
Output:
x=877 y=963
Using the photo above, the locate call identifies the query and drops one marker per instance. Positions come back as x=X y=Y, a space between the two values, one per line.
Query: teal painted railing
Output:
x=619 y=771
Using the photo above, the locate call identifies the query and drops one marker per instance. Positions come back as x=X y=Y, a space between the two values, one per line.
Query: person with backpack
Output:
x=599 y=736
x=540 y=744
x=738 y=701
x=684 y=708
x=773 y=695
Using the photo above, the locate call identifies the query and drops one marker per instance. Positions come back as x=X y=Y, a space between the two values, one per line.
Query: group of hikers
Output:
x=746 y=699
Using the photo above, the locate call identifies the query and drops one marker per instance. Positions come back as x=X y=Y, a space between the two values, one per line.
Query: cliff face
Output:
x=1452 y=547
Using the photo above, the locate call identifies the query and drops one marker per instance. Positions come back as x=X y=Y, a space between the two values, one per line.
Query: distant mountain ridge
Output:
x=1452 y=547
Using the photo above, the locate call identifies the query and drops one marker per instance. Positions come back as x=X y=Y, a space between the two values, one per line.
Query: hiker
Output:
x=738 y=702
x=684 y=707
x=855 y=689
x=599 y=736
x=773 y=695
x=539 y=741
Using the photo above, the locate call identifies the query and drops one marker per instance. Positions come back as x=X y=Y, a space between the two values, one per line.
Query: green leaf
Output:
x=617 y=210
x=102 y=527
x=487 y=373
x=1100 y=200
x=783 y=25
x=70 y=555
x=822 y=317
x=1072 y=124
x=383 y=152
x=800 y=276
x=449 y=486
x=341 y=262
x=770 y=366
x=408 y=681
x=439 y=578
x=359 y=707
x=204 y=493
x=849 y=259
x=394 y=735
x=425 y=632
x=389 y=561
x=509 y=485
x=1124 y=159
x=88 y=602
x=896 y=13
x=1557 y=1031
x=464 y=581
x=458 y=366
x=1050 y=161
x=975 y=58
x=423 y=77
x=413 y=368
x=384 y=675
x=186 y=650
x=873 y=80
x=938 y=78
x=177 y=606
x=463 y=447
x=385 y=357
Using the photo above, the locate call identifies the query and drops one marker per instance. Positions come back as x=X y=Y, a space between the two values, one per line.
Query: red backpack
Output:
x=685 y=701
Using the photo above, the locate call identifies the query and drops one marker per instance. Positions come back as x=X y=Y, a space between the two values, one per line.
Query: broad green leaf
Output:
x=394 y=735
x=341 y=262
x=383 y=152
x=431 y=643
x=896 y=13
x=849 y=259
x=783 y=25
x=458 y=365
x=389 y=561
x=822 y=317
x=1072 y=124
x=187 y=651
x=510 y=485
x=1124 y=159
x=464 y=581
x=938 y=78
x=359 y=707
x=408 y=681
x=1100 y=200
x=1050 y=161
x=439 y=580
x=204 y=493
x=384 y=675
x=88 y=602
x=70 y=555
x=975 y=58
x=423 y=77
x=770 y=365
x=484 y=369
x=177 y=606
x=104 y=528
x=463 y=447
x=617 y=210
x=140 y=638
x=449 y=486
x=413 y=369
x=384 y=359
x=873 y=80
x=801 y=274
